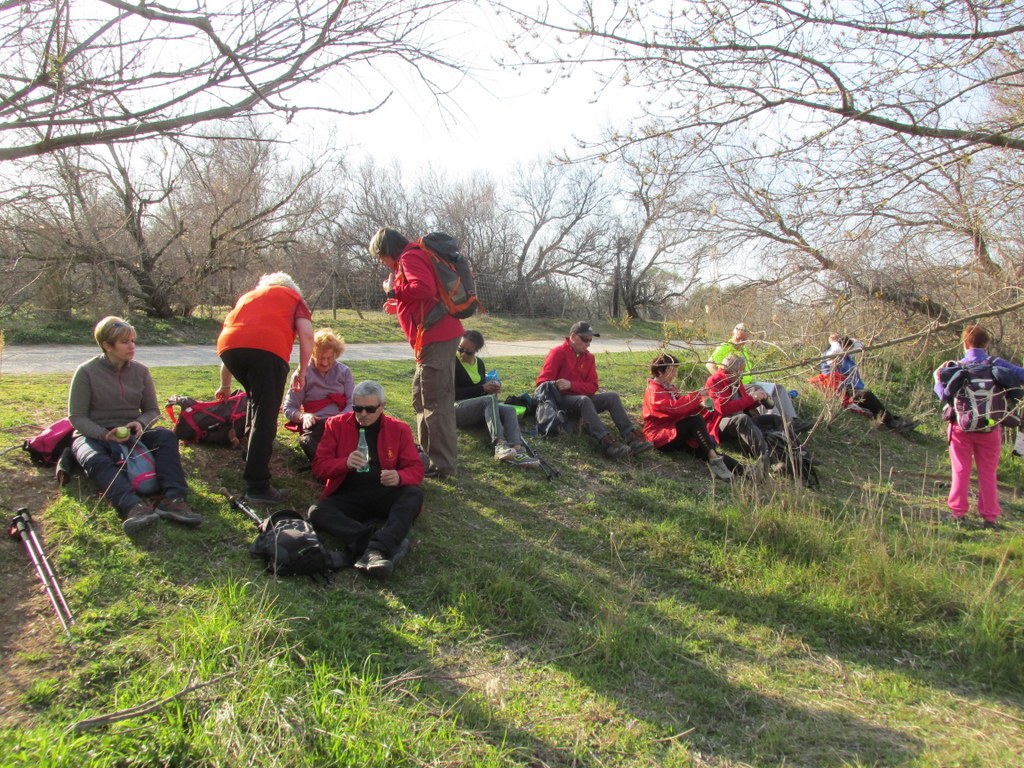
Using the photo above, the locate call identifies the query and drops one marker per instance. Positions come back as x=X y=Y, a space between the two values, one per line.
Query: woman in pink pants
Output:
x=983 y=448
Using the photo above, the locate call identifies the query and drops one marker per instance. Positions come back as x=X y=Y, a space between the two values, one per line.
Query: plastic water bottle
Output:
x=364 y=449
x=491 y=375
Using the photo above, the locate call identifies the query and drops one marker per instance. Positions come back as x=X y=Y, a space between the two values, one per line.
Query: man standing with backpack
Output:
x=413 y=285
x=975 y=436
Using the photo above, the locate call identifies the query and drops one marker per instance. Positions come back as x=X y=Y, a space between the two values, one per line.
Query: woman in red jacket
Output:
x=674 y=420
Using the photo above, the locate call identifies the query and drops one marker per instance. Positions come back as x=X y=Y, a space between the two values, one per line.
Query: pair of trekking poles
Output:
x=21 y=529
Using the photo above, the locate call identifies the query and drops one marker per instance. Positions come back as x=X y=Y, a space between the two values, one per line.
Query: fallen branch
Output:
x=142 y=709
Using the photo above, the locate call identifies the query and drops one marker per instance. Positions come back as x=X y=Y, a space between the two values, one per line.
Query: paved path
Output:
x=65 y=358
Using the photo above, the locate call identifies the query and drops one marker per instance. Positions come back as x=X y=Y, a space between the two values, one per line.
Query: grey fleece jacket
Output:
x=103 y=397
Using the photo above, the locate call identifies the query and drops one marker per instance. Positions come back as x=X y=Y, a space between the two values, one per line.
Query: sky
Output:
x=494 y=119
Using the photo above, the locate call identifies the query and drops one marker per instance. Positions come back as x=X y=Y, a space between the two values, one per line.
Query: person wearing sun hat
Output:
x=573 y=370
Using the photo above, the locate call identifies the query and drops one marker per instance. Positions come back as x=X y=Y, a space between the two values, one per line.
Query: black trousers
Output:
x=376 y=517
x=868 y=399
x=695 y=428
x=263 y=375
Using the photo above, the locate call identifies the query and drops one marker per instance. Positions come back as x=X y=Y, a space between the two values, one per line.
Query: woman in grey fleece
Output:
x=113 y=401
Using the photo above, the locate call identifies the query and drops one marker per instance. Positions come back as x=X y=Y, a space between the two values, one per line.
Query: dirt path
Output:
x=65 y=358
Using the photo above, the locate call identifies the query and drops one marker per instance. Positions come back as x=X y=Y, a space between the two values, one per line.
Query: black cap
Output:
x=583 y=329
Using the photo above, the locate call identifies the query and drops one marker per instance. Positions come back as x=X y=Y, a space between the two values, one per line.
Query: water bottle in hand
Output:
x=364 y=449
x=491 y=375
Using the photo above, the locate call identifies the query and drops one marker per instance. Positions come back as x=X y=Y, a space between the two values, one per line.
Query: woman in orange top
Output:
x=255 y=346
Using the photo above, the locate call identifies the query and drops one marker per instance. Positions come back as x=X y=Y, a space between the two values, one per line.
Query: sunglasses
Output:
x=365 y=408
x=464 y=351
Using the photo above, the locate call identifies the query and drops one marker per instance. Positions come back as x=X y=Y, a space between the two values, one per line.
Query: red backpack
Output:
x=221 y=422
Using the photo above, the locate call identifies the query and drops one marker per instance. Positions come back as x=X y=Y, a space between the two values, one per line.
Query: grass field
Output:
x=625 y=614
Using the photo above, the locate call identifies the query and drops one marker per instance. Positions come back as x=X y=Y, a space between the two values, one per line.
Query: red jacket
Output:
x=562 y=362
x=395 y=450
x=416 y=292
x=730 y=397
x=664 y=406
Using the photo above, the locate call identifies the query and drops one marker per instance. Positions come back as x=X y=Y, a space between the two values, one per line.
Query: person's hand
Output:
x=308 y=420
x=563 y=384
x=113 y=437
x=492 y=387
x=389 y=477
x=356 y=460
x=389 y=283
x=299 y=380
x=222 y=393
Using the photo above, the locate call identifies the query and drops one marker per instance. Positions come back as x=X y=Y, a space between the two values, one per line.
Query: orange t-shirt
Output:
x=264 y=318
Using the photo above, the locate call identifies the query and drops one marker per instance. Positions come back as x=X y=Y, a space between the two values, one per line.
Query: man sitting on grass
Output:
x=572 y=368
x=371 y=500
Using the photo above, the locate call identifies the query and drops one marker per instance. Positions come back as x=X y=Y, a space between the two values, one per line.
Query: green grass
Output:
x=624 y=615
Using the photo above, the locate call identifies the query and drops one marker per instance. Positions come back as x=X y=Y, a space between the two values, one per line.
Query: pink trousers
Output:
x=984 y=449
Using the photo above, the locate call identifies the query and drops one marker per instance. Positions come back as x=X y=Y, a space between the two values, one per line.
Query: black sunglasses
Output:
x=464 y=351
x=365 y=408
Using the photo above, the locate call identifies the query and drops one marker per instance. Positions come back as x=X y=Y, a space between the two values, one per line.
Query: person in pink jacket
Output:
x=412 y=284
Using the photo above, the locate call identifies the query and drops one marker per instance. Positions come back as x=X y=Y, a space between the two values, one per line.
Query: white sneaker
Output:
x=719 y=468
x=1018 y=446
x=504 y=452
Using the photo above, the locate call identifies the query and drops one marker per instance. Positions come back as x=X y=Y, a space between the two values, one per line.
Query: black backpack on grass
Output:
x=794 y=459
x=291 y=547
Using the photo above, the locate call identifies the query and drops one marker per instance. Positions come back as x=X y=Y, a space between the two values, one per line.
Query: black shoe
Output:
x=801 y=425
x=269 y=496
x=380 y=565
x=991 y=525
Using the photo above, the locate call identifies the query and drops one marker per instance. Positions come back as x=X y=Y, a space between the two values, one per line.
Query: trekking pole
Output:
x=21 y=529
x=238 y=503
x=549 y=469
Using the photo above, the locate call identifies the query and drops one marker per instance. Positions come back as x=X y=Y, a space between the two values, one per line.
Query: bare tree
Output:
x=876 y=65
x=147 y=231
x=78 y=74
x=561 y=213
x=660 y=248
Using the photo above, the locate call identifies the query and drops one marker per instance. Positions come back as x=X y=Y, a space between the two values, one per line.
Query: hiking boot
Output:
x=269 y=496
x=613 y=449
x=504 y=452
x=521 y=458
x=637 y=444
x=139 y=516
x=719 y=469
x=178 y=511
x=801 y=425
x=906 y=426
x=991 y=525
x=375 y=563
